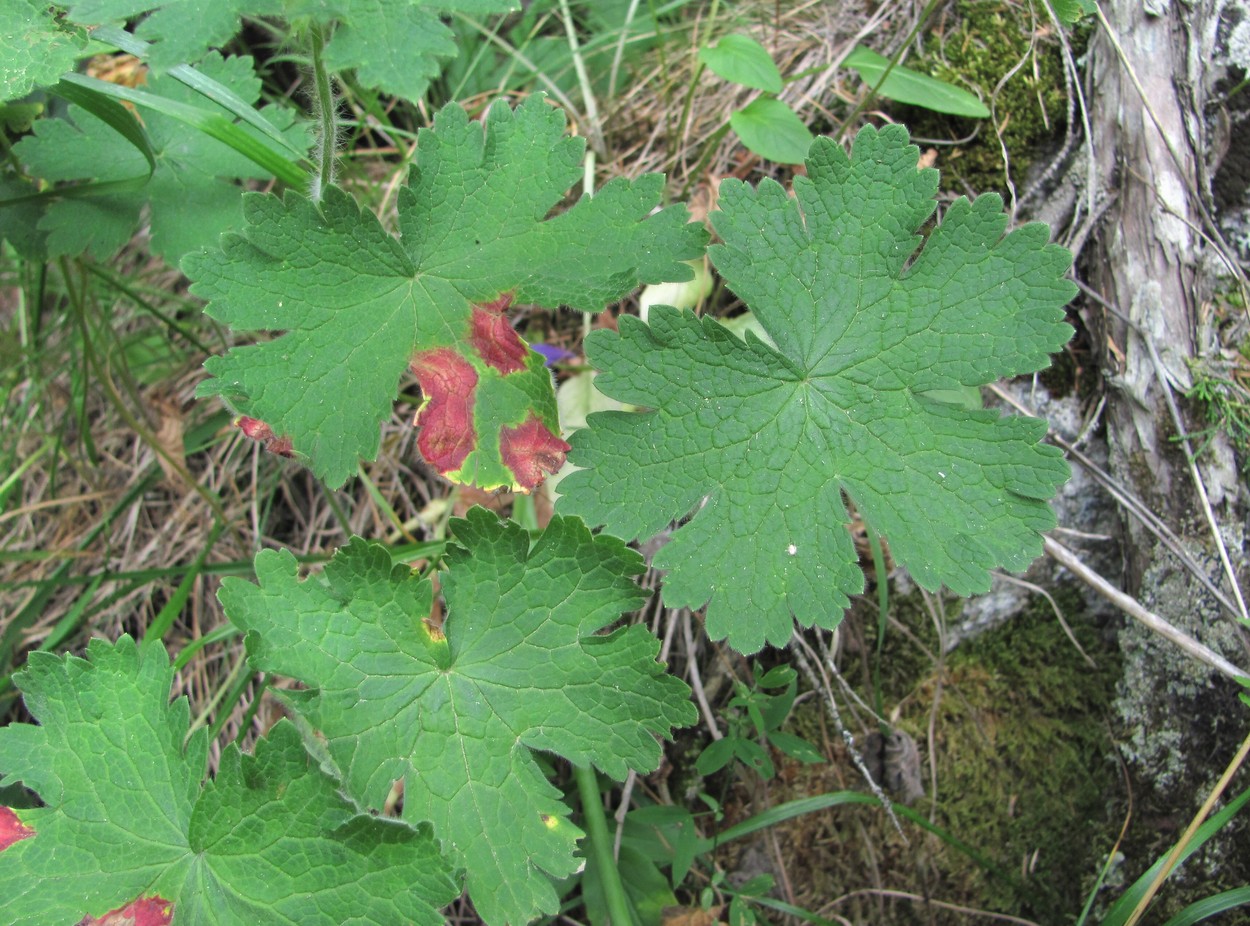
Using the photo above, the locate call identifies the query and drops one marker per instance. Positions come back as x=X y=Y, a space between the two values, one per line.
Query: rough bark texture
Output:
x=1150 y=260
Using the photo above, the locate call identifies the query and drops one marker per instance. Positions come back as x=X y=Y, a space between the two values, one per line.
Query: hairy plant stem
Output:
x=327 y=117
x=601 y=846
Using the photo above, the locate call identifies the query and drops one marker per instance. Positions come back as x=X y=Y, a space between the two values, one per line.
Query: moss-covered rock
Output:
x=976 y=46
x=1024 y=772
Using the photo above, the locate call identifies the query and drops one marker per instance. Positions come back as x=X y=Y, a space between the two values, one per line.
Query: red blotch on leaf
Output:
x=449 y=384
x=493 y=338
x=257 y=430
x=531 y=451
x=146 y=911
x=12 y=829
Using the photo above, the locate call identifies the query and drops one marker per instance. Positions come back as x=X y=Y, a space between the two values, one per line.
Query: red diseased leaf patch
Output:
x=449 y=383
x=12 y=829
x=493 y=338
x=146 y=911
x=257 y=430
x=531 y=452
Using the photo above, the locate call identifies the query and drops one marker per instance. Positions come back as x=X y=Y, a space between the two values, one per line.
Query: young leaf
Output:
x=128 y=822
x=457 y=711
x=36 y=47
x=756 y=445
x=772 y=130
x=742 y=60
x=904 y=85
x=360 y=306
x=395 y=44
x=192 y=190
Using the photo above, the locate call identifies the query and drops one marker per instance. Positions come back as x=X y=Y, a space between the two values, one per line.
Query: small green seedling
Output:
x=766 y=125
x=757 y=719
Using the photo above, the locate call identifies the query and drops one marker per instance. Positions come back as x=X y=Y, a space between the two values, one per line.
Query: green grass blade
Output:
x=216 y=635
x=100 y=104
x=173 y=607
x=1210 y=906
x=1123 y=908
x=213 y=124
x=73 y=617
x=797 y=808
x=44 y=589
x=206 y=86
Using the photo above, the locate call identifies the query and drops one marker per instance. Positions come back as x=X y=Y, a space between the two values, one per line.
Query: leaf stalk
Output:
x=327 y=117
x=601 y=846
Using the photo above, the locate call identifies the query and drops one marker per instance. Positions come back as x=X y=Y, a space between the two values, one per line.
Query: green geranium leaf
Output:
x=36 y=47
x=193 y=191
x=755 y=445
x=395 y=45
x=181 y=31
x=360 y=306
x=457 y=711
x=130 y=828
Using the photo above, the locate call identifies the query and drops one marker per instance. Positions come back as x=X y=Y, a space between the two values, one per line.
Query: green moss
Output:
x=1025 y=773
x=1022 y=767
x=980 y=43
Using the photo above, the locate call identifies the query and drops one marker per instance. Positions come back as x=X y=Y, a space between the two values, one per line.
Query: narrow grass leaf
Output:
x=1123 y=908
x=213 y=124
x=1209 y=906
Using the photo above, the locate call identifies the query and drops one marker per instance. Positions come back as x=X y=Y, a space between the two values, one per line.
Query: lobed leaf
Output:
x=754 y=445
x=395 y=45
x=360 y=306
x=36 y=47
x=192 y=190
x=181 y=31
x=457 y=712
x=128 y=828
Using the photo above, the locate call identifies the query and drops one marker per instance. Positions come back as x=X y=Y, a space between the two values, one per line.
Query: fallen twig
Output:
x=1134 y=609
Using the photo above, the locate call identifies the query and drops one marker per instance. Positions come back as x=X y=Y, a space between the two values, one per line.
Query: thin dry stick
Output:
x=696 y=681
x=1161 y=375
x=1134 y=609
x=594 y=128
x=957 y=908
x=1054 y=606
x=848 y=737
x=939 y=677
x=622 y=809
x=1134 y=506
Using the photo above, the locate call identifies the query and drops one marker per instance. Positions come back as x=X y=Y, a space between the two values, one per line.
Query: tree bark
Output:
x=1151 y=259
x=1147 y=261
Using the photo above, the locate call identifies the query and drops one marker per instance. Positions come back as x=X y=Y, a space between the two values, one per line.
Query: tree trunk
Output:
x=1148 y=150
x=1151 y=260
